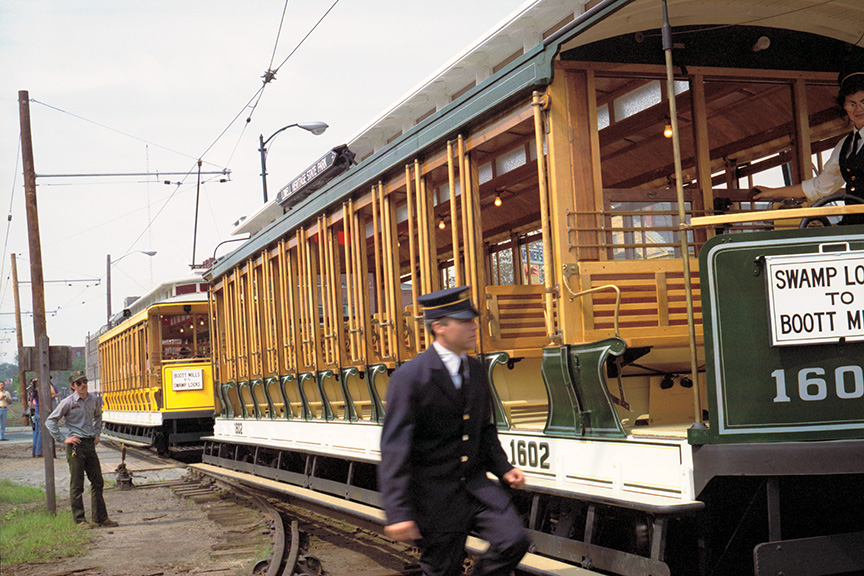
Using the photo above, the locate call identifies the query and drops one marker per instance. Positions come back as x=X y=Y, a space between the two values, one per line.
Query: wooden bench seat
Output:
x=653 y=308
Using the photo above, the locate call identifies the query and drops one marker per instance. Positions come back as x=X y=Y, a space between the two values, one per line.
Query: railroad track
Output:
x=304 y=543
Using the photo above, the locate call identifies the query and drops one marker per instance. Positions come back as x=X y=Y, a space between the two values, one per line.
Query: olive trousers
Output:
x=82 y=459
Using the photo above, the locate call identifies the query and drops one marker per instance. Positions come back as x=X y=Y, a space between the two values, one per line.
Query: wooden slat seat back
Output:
x=516 y=318
x=653 y=310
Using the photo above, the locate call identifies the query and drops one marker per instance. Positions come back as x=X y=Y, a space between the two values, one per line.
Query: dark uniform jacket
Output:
x=852 y=170
x=437 y=444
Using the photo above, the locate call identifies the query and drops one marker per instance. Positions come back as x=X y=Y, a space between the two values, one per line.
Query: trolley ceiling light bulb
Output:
x=497 y=199
x=667 y=130
x=441 y=224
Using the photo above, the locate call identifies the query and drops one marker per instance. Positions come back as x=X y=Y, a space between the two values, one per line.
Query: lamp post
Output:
x=108 y=275
x=316 y=128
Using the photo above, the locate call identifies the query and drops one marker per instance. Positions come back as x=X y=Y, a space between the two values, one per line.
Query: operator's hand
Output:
x=96 y=440
x=72 y=440
x=514 y=478
x=403 y=531
x=756 y=193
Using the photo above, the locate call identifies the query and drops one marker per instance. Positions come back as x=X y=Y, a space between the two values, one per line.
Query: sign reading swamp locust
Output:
x=192 y=379
x=816 y=298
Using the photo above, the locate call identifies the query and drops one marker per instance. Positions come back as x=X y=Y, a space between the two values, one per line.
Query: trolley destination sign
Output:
x=816 y=298
x=189 y=379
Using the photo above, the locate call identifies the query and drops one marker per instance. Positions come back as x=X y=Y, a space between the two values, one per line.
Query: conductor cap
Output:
x=448 y=303
x=852 y=68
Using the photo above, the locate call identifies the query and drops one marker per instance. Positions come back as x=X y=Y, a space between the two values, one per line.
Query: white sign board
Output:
x=816 y=298
x=187 y=379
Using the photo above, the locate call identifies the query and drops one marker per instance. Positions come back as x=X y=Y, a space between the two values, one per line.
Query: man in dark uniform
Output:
x=437 y=444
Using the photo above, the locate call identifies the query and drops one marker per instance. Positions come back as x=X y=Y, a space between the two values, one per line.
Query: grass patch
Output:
x=11 y=493
x=29 y=534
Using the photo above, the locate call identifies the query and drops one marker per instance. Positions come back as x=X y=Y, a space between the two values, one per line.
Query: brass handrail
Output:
x=574 y=295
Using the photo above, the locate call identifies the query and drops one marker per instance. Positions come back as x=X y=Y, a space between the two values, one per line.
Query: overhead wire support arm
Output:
x=223 y=172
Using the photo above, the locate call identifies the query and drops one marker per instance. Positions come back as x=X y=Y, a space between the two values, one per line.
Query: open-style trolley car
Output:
x=535 y=169
x=156 y=371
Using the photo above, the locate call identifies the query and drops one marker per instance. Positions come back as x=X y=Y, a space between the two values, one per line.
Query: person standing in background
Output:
x=82 y=414
x=33 y=397
x=33 y=401
x=5 y=401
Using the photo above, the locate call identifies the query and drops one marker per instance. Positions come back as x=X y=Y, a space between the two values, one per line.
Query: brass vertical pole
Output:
x=682 y=216
x=412 y=255
x=40 y=332
x=302 y=306
x=326 y=285
x=480 y=255
x=387 y=284
x=22 y=376
x=471 y=265
x=350 y=278
x=431 y=236
x=336 y=317
x=422 y=229
x=379 y=271
x=362 y=284
x=463 y=195
x=422 y=252
x=324 y=290
x=454 y=219
x=292 y=288
x=394 y=279
x=548 y=264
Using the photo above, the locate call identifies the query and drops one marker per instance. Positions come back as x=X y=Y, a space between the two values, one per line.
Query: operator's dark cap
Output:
x=448 y=303
x=77 y=376
x=852 y=68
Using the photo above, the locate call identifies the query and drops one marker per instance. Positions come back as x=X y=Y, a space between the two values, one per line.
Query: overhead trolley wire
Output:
x=278 y=34
x=270 y=74
x=306 y=36
x=116 y=130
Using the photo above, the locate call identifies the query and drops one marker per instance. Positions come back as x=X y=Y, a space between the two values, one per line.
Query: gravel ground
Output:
x=159 y=534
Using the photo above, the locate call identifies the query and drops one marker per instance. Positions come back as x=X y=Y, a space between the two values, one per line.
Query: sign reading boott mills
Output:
x=783 y=316
x=187 y=379
x=816 y=298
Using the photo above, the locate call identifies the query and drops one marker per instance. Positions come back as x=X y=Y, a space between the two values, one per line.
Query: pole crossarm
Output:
x=224 y=172
x=97 y=280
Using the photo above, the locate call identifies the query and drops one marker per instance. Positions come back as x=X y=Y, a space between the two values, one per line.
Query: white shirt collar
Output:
x=451 y=359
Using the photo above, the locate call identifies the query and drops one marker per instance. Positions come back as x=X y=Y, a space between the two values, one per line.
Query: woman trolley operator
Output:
x=846 y=164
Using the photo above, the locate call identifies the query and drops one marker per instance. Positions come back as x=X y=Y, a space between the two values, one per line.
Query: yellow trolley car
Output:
x=156 y=372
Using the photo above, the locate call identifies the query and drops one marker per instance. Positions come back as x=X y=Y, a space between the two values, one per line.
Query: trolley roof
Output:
x=517 y=55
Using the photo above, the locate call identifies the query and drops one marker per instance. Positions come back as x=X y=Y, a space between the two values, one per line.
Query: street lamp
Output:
x=316 y=128
x=108 y=275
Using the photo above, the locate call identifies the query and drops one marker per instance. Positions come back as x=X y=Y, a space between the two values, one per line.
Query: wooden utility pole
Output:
x=40 y=331
x=22 y=375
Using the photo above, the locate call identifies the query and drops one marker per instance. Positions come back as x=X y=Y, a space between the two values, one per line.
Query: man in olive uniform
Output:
x=437 y=444
x=82 y=413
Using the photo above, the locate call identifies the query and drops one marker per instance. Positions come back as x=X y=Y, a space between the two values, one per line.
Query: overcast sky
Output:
x=134 y=87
